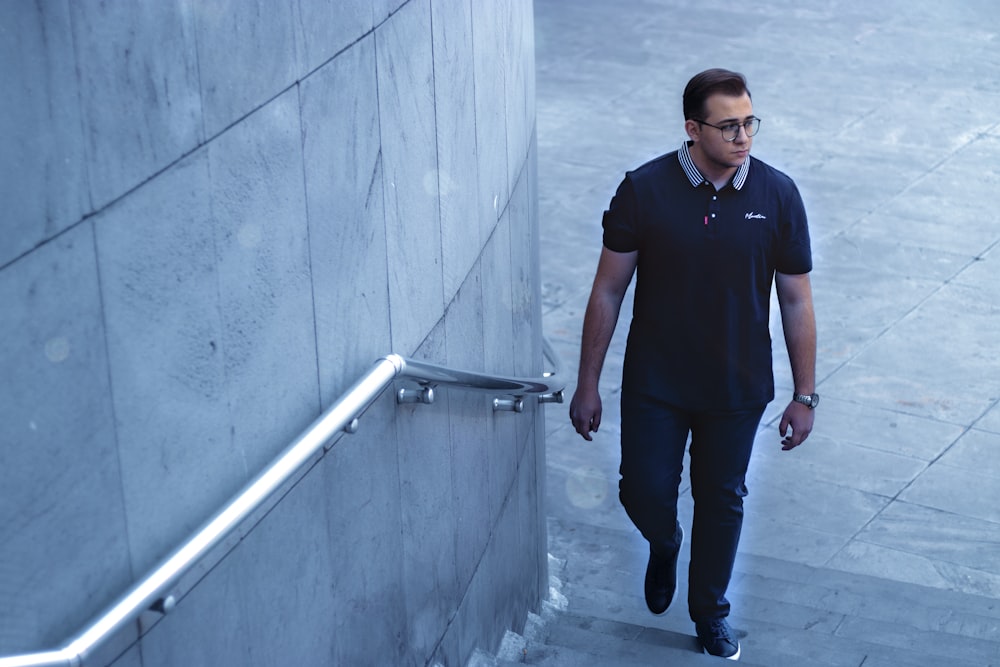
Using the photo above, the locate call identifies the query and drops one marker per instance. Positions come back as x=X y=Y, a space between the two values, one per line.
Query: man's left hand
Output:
x=800 y=417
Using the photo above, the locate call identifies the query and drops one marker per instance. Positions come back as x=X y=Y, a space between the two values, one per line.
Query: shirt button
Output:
x=714 y=198
x=713 y=215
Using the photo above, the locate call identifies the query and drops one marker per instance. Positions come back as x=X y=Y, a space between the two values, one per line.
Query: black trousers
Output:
x=654 y=439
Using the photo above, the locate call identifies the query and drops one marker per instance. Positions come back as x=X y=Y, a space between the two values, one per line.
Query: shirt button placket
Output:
x=713 y=212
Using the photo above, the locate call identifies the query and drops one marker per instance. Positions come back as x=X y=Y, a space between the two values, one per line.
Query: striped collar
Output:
x=691 y=171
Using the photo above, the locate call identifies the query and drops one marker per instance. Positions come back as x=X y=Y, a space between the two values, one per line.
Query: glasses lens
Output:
x=751 y=126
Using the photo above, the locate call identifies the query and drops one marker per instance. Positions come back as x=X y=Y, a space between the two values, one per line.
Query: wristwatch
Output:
x=808 y=400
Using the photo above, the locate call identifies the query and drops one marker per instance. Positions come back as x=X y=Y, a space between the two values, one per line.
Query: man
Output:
x=707 y=228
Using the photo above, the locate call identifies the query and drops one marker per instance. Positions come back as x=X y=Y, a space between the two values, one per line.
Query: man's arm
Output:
x=614 y=273
x=799 y=324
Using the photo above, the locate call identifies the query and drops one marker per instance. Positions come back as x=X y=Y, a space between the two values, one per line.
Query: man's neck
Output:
x=719 y=177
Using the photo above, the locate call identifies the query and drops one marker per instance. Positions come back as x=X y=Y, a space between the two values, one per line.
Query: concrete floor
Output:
x=886 y=116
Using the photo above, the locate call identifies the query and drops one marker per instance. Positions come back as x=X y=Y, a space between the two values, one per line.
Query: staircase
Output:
x=787 y=614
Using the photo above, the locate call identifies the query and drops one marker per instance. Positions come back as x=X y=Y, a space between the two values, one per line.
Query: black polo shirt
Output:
x=699 y=337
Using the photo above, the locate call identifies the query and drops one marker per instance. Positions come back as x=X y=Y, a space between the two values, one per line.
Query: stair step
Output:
x=613 y=640
x=548 y=655
x=793 y=614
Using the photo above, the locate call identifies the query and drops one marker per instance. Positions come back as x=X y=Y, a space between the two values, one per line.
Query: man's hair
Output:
x=708 y=83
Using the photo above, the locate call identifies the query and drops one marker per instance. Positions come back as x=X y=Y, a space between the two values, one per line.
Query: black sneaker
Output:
x=718 y=639
x=661 y=579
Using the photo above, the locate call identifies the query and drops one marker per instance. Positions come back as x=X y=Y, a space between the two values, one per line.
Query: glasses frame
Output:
x=752 y=122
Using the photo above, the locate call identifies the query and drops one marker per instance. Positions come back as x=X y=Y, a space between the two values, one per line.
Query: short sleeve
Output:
x=621 y=232
x=794 y=253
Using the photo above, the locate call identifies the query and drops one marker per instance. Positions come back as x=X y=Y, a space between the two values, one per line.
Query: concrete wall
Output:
x=217 y=215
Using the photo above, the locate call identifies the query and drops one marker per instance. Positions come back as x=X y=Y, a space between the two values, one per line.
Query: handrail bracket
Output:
x=554 y=397
x=515 y=404
x=424 y=395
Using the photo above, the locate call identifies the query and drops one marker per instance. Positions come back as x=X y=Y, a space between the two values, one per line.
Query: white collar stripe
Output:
x=741 y=174
x=688 y=165
x=693 y=175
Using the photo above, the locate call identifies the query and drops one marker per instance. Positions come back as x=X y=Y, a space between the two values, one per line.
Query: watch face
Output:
x=810 y=400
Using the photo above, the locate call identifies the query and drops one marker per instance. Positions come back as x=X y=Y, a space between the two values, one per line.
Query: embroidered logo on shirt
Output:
x=755 y=216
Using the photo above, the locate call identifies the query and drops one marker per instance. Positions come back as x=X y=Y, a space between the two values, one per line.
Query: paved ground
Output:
x=886 y=115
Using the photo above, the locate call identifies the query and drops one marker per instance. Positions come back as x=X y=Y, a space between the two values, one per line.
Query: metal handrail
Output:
x=152 y=591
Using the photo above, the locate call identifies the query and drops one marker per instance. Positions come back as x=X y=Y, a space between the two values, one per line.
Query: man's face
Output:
x=723 y=110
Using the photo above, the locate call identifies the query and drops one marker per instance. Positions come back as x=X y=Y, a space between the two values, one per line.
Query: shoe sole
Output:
x=734 y=656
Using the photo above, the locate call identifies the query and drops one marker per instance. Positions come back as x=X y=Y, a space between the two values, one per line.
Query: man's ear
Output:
x=693 y=129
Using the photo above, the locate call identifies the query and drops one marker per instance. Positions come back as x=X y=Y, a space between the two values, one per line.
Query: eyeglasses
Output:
x=732 y=130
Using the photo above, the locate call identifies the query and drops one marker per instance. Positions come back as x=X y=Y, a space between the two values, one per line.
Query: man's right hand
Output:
x=614 y=273
x=585 y=412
